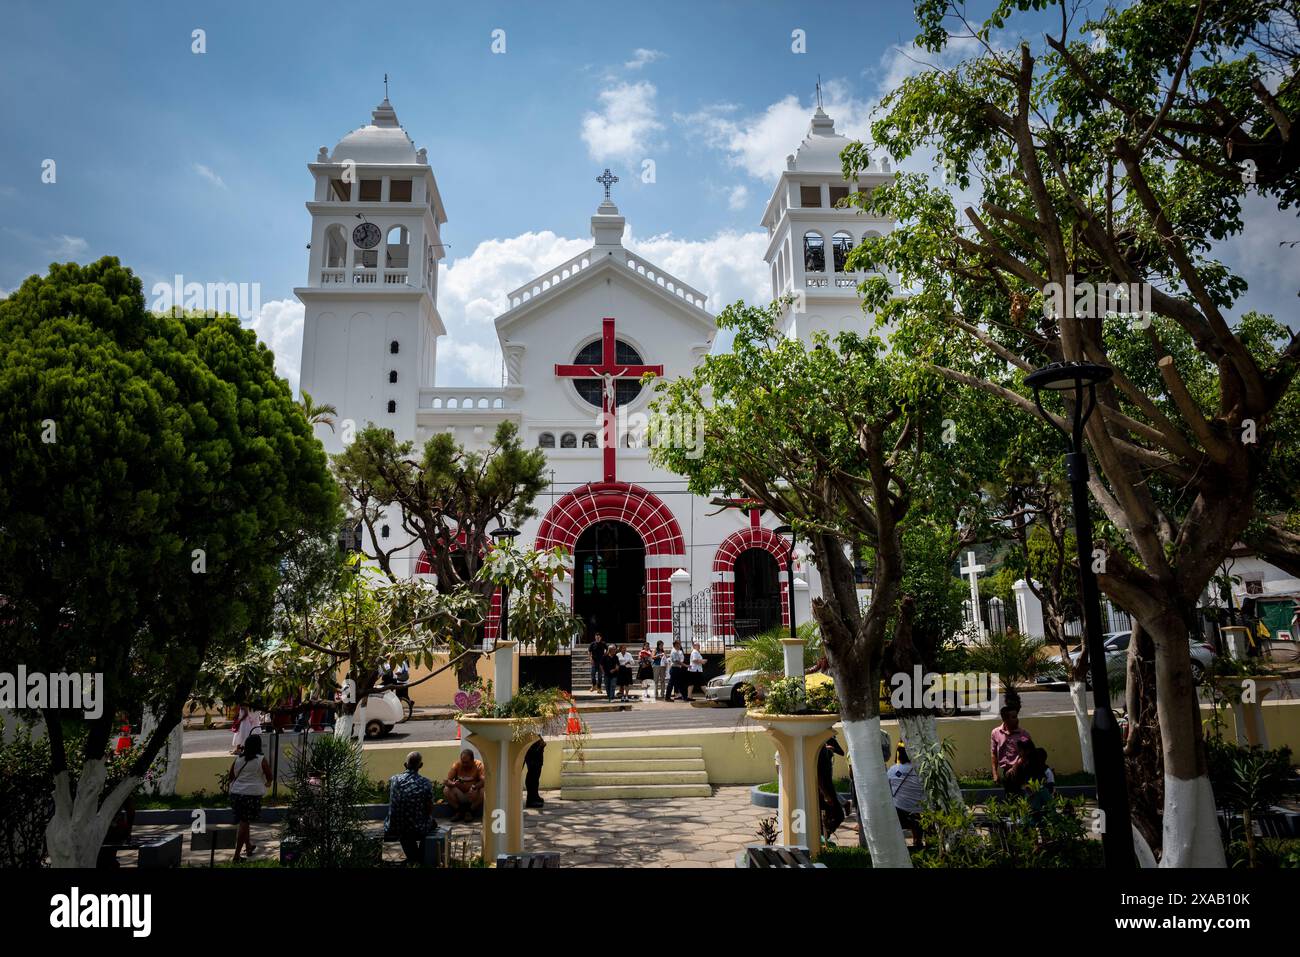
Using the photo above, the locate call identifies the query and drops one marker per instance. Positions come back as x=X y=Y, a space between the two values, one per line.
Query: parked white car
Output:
x=729 y=689
x=1116 y=644
x=383 y=711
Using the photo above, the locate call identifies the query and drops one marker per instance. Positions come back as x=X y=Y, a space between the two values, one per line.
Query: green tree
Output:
x=1096 y=165
x=828 y=439
x=450 y=501
x=154 y=471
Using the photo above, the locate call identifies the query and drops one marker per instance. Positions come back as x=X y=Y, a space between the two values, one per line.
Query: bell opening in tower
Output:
x=609 y=583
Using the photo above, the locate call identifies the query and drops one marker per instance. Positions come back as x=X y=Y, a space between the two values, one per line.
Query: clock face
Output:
x=367 y=235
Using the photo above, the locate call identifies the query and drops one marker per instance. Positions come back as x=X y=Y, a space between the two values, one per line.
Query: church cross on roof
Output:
x=607 y=179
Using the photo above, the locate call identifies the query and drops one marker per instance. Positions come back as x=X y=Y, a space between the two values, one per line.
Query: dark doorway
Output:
x=758 y=592
x=609 y=582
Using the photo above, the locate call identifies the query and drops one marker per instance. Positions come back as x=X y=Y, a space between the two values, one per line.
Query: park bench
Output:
x=437 y=849
x=151 y=852
x=779 y=856
x=531 y=859
x=213 y=839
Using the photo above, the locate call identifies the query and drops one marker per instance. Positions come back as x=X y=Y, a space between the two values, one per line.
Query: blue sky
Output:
x=196 y=164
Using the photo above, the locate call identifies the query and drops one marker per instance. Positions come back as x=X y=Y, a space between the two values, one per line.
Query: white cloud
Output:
x=473 y=289
x=279 y=325
x=641 y=57
x=759 y=143
x=208 y=174
x=737 y=197
x=67 y=247
x=626 y=124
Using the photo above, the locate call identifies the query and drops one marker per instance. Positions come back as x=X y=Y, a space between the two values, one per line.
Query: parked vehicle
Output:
x=729 y=688
x=1116 y=644
x=383 y=711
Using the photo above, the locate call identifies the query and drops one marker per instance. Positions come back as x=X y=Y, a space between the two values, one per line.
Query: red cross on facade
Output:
x=610 y=371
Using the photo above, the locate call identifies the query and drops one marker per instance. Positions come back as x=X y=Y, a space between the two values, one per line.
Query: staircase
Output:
x=580 y=662
x=633 y=772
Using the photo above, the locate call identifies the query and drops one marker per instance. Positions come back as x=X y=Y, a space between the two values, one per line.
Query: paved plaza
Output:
x=679 y=832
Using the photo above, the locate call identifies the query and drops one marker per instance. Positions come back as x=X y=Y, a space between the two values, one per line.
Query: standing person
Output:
x=676 y=672
x=908 y=794
x=832 y=810
x=659 y=670
x=410 y=808
x=695 y=670
x=625 y=661
x=534 y=758
x=250 y=776
x=597 y=651
x=246 y=722
x=464 y=786
x=644 y=668
x=1009 y=749
x=609 y=666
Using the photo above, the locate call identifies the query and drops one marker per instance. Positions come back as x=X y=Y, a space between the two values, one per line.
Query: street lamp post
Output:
x=1078 y=382
x=783 y=531
x=508 y=534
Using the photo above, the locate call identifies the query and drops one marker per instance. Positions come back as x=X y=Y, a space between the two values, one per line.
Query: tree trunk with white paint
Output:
x=921 y=735
x=1191 y=828
x=1082 y=724
x=80 y=823
x=165 y=782
x=876 y=811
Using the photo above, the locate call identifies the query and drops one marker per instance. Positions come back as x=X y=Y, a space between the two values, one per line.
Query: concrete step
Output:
x=616 y=792
x=627 y=764
x=636 y=754
x=584 y=779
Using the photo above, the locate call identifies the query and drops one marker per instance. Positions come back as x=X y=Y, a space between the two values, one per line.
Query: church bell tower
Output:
x=371 y=322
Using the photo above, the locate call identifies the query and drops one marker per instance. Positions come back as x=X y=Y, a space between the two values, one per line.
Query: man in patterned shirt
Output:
x=410 y=808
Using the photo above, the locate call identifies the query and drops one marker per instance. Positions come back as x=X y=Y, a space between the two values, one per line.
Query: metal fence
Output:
x=696 y=622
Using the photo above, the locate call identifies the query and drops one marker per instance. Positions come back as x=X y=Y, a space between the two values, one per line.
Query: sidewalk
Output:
x=679 y=832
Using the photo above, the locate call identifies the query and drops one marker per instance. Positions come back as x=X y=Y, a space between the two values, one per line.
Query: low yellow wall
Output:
x=738 y=756
x=439 y=690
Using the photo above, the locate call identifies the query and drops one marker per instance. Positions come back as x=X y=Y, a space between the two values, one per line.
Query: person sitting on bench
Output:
x=464 y=786
x=410 y=808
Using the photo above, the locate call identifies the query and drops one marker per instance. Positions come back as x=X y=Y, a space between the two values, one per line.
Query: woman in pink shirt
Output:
x=1009 y=748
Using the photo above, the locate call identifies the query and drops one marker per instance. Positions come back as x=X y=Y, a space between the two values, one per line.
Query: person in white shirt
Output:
x=908 y=794
x=250 y=776
x=625 y=663
x=695 y=673
x=677 y=672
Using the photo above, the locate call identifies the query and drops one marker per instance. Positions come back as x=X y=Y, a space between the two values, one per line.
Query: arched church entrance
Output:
x=609 y=582
x=758 y=592
x=663 y=549
x=749 y=583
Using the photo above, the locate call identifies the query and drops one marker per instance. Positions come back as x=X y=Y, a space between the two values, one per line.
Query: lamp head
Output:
x=504 y=533
x=1067 y=376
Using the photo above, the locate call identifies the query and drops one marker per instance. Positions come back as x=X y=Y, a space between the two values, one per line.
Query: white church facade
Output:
x=575 y=341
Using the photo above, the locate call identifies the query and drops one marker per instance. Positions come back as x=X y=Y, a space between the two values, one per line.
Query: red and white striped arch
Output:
x=724 y=573
x=648 y=516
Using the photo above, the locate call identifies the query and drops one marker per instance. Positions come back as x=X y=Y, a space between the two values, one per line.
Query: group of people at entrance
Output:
x=669 y=672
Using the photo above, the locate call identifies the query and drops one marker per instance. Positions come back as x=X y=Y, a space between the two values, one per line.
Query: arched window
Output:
x=392 y=405
x=394 y=348
x=814 y=252
x=592 y=390
x=841 y=245
x=546 y=440
x=350 y=536
x=383 y=531
x=568 y=441
x=398 y=250
x=336 y=247
x=589 y=440
x=392 y=375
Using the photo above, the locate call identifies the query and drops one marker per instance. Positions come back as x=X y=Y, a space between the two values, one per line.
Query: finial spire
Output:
x=819 y=91
x=386 y=86
x=607 y=179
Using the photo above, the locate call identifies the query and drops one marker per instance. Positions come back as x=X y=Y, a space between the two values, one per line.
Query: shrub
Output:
x=323 y=817
x=26 y=797
x=844 y=856
x=1014 y=835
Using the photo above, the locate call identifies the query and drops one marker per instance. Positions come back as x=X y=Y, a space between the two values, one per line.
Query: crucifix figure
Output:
x=609 y=372
x=972 y=572
x=607 y=179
